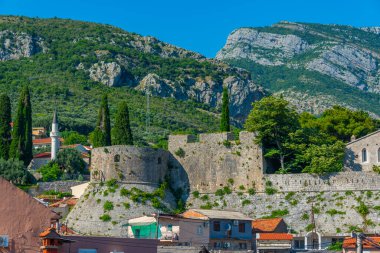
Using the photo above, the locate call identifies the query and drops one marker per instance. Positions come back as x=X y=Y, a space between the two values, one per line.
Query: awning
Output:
x=142 y=221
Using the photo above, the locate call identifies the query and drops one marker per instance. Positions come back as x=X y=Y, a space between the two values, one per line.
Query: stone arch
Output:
x=313 y=240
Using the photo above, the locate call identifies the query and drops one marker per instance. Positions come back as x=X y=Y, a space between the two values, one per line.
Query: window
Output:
x=116 y=159
x=217 y=245
x=137 y=233
x=243 y=245
x=364 y=155
x=242 y=227
x=170 y=227
x=216 y=225
x=199 y=230
x=378 y=155
x=87 y=251
x=299 y=244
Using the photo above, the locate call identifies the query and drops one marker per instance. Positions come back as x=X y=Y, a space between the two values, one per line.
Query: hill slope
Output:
x=70 y=64
x=314 y=66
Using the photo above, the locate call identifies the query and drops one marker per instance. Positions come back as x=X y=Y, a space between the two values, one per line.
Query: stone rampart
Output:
x=129 y=164
x=215 y=158
x=343 y=181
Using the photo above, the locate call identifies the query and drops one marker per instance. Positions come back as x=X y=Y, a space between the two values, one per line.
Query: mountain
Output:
x=69 y=64
x=314 y=66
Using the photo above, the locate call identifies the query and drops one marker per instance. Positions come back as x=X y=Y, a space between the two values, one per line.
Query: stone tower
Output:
x=54 y=135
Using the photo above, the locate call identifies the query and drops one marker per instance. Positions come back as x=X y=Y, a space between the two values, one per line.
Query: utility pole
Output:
x=158 y=225
x=314 y=228
x=359 y=242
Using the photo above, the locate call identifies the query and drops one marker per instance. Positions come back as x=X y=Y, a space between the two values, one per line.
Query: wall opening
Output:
x=364 y=155
x=116 y=158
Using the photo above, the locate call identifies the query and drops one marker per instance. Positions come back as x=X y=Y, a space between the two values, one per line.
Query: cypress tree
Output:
x=22 y=142
x=5 y=126
x=225 y=117
x=122 y=129
x=102 y=133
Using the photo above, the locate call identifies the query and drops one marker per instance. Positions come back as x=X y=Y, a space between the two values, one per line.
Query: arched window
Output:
x=364 y=155
x=116 y=159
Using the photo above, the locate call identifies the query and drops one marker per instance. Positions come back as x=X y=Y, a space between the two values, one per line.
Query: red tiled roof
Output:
x=350 y=243
x=266 y=225
x=275 y=237
x=42 y=155
x=44 y=141
x=68 y=201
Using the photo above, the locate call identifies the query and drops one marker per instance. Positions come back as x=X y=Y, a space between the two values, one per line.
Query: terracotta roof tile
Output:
x=275 y=237
x=266 y=225
x=68 y=201
x=350 y=243
x=43 y=155
x=44 y=141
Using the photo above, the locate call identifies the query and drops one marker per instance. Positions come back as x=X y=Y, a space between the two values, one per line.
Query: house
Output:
x=38 y=132
x=273 y=243
x=363 y=154
x=63 y=206
x=22 y=218
x=44 y=142
x=39 y=160
x=227 y=229
x=53 y=242
x=271 y=235
x=369 y=246
x=174 y=230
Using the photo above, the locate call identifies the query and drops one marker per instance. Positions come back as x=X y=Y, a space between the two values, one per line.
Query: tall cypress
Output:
x=22 y=142
x=102 y=133
x=5 y=126
x=122 y=129
x=225 y=117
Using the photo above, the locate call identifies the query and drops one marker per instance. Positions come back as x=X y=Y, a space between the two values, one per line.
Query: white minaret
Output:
x=54 y=135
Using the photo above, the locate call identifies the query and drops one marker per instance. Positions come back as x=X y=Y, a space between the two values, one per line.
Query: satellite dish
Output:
x=228 y=227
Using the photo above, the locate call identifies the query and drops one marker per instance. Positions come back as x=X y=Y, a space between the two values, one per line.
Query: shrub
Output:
x=337 y=246
x=347 y=193
x=270 y=190
x=208 y=205
x=309 y=227
x=293 y=202
x=124 y=192
x=305 y=216
x=219 y=192
x=108 y=206
x=180 y=153
x=196 y=194
x=251 y=191
x=231 y=181
x=204 y=198
x=241 y=187
x=126 y=205
x=246 y=202
x=278 y=213
x=227 y=143
x=369 y=194
x=98 y=201
x=227 y=190
x=111 y=183
x=362 y=209
x=333 y=212
x=289 y=196
x=105 y=217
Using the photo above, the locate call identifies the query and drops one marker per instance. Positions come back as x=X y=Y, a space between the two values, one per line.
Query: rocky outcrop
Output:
x=15 y=45
x=261 y=47
x=243 y=92
x=109 y=74
x=311 y=60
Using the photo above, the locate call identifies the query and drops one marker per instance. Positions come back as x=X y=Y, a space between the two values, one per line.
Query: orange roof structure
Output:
x=67 y=201
x=275 y=237
x=42 y=155
x=350 y=243
x=266 y=225
x=44 y=141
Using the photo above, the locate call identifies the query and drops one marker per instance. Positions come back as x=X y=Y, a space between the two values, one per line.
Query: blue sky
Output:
x=198 y=25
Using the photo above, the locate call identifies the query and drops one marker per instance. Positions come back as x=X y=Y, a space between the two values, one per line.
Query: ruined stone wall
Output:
x=343 y=181
x=354 y=155
x=129 y=164
x=209 y=162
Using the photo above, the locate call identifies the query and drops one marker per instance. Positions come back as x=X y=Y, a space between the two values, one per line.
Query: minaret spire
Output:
x=54 y=135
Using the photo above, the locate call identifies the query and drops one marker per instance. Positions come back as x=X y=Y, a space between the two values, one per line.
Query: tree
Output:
x=5 y=126
x=274 y=121
x=101 y=136
x=14 y=171
x=122 y=129
x=50 y=172
x=73 y=137
x=225 y=117
x=70 y=160
x=22 y=143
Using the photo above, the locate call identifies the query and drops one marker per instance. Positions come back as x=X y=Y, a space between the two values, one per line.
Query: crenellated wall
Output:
x=213 y=159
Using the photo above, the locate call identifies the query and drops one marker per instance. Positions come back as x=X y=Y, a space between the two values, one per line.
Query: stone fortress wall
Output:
x=129 y=164
x=213 y=159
